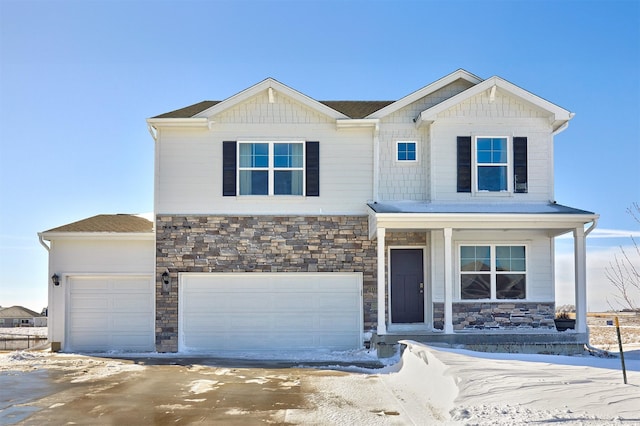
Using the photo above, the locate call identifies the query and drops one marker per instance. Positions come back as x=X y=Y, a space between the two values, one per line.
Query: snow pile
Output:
x=507 y=389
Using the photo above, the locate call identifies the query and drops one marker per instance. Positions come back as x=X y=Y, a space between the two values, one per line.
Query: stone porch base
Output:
x=527 y=342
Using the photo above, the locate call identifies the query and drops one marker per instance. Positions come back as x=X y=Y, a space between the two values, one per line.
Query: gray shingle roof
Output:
x=108 y=223
x=352 y=109
x=18 y=312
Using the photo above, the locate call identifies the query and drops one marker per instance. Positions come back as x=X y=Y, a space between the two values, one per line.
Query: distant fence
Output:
x=15 y=342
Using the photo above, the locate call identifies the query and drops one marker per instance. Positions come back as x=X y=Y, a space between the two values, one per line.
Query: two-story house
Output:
x=283 y=222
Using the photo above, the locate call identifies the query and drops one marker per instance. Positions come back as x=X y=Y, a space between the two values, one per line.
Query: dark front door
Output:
x=407 y=286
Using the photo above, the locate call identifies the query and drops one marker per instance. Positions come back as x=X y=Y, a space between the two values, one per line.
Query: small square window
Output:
x=406 y=151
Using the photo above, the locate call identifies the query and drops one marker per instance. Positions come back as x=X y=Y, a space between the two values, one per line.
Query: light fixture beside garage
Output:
x=166 y=281
x=55 y=279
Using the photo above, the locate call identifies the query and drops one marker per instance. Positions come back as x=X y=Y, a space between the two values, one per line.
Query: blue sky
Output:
x=79 y=78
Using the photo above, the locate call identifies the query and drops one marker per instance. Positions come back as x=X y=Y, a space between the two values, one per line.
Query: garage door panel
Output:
x=132 y=322
x=111 y=313
x=130 y=286
x=130 y=302
x=90 y=303
x=270 y=311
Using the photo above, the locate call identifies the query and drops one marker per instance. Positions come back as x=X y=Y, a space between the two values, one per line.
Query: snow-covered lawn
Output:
x=23 y=331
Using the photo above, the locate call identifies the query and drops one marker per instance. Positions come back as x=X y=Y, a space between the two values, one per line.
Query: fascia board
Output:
x=356 y=123
x=115 y=236
x=425 y=91
x=559 y=114
x=265 y=85
x=482 y=221
x=177 y=122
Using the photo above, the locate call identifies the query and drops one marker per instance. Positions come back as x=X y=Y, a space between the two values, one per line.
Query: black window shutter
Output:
x=312 y=169
x=229 y=169
x=520 y=164
x=464 y=164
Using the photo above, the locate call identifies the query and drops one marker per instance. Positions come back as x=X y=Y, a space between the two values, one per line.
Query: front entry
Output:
x=407 y=286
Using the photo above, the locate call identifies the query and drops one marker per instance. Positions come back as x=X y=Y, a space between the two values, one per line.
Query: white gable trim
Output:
x=274 y=89
x=116 y=236
x=425 y=91
x=559 y=116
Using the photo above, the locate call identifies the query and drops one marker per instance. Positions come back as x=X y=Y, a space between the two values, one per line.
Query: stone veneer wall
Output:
x=438 y=315
x=200 y=243
x=499 y=315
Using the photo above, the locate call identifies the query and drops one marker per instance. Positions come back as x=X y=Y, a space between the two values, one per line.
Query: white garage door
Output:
x=270 y=311
x=110 y=313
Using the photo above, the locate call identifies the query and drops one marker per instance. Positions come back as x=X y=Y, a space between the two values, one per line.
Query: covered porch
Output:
x=517 y=308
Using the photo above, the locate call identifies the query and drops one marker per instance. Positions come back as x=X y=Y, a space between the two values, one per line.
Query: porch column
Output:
x=382 y=325
x=580 y=262
x=448 y=282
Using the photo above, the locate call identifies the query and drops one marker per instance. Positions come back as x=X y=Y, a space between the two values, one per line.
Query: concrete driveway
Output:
x=103 y=391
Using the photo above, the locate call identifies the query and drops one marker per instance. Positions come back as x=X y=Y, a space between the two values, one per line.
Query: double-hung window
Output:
x=493 y=272
x=271 y=168
x=492 y=164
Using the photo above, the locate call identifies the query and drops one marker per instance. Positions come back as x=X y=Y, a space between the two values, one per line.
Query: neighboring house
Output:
x=18 y=316
x=282 y=222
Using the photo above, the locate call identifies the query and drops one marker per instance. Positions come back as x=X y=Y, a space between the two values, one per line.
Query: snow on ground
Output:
x=446 y=385
x=24 y=331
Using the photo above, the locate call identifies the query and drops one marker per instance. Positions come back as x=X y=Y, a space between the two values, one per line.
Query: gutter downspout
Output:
x=153 y=134
x=41 y=239
x=591 y=228
x=564 y=125
x=588 y=345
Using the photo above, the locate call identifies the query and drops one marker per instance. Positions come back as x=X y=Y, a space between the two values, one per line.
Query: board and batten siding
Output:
x=540 y=273
x=189 y=166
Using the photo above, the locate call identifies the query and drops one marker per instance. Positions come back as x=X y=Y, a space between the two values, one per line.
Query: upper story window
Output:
x=271 y=168
x=406 y=151
x=492 y=164
x=493 y=272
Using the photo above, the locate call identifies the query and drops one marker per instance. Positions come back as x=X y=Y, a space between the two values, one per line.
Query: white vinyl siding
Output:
x=189 y=170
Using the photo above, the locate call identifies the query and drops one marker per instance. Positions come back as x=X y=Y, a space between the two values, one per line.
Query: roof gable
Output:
x=559 y=116
x=18 y=312
x=426 y=91
x=273 y=88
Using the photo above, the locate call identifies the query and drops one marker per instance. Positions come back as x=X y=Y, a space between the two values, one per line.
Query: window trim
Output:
x=492 y=272
x=475 y=165
x=398 y=142
x=271 y=169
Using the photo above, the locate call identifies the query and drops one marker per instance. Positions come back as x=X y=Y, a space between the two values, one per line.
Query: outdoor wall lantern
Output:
x=166 y=281
x=55 y=279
